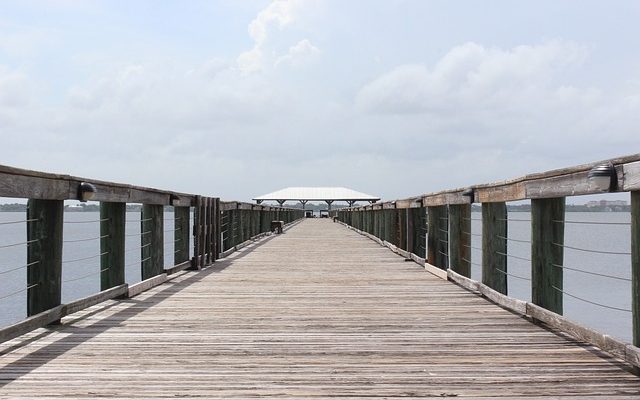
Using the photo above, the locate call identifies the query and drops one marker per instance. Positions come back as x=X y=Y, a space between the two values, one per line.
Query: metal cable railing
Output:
x=18 y=291
x=591 y=272
x=620 y=253
x=513 y=275
x=19 y=268
x=18 y=222
x=591 y=302
x=513 y=256
x=84 y=258
x=85 y=276
x=28 y=242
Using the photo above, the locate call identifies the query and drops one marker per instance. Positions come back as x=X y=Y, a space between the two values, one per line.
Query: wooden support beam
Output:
x=635 y=265
x=494 y=247
x=208 y=232
x=547 y=239
x=112 y=235
x=460 y=238
x=226 y=231
x=437 y=240
x=409 y=234
x=419 y=229
x=44 y=254
x=152 y=233
x=181 y=235
x=217 y=220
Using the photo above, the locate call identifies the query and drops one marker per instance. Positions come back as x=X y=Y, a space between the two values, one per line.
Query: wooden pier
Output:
x=377 y=302
x=318 y=311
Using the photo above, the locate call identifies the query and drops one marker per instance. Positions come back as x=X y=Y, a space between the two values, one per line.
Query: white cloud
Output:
x=275 y=17
x=476 y=77
x=299 y=53
x=277 y=14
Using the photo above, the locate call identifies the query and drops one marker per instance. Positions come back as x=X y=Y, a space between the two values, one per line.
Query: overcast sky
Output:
x=392 y=98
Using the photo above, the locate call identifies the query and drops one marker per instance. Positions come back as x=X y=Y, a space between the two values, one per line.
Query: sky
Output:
x=392 y=98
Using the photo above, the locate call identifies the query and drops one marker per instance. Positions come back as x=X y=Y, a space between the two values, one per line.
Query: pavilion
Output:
x=326 y=194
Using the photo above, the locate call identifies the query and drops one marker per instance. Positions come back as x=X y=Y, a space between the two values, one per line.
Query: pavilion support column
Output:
x=304 y=204
x=329 y=202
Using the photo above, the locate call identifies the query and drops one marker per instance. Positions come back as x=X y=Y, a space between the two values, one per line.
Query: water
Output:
x=79 y=278
x=82 y=278
x=611 y=292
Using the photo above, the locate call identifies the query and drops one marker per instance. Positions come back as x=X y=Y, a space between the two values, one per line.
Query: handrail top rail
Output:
x=570 y=181
x=32 y=184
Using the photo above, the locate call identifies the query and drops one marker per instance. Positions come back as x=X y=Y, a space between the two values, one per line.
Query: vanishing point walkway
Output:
x=319 y=311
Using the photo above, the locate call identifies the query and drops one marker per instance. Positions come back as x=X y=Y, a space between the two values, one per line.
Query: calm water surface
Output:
x=82 y=278
x=79 y=278
x=611 y=292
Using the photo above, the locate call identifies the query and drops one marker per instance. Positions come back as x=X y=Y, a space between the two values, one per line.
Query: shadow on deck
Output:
x=317 y=312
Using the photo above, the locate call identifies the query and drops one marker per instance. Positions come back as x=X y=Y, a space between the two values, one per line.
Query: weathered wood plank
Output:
x=152 y=239
x=494 y=246
x=635 y=265
x=21 y=183
x=460 y=239
x=547 y=253
x=44 y=254
x=146 y=284
x=343 y=318
x=437 y=237
x=86 y=302
x=112 y=244
x=181 y=234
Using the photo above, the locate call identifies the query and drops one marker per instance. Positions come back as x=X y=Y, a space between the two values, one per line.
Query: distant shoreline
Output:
x=17 y=207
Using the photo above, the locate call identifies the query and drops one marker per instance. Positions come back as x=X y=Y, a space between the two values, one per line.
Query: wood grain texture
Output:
x=44 y=254
x=494 y=246
x=635 y=265
x=112 y=244
x=547 y=239
x=318 y=311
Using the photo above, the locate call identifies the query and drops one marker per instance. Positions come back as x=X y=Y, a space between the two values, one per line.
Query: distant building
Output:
x=606 y=203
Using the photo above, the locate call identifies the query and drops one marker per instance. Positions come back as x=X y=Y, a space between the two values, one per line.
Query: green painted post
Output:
x=547 y=238
x=494 y=247
x=112 y=235
x=44 y=254
x=460 y=238
x=152 y=233
x=635 y=265
x=436 y=238
x=181 y=234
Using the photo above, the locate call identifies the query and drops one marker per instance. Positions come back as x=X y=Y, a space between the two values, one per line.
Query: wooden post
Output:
x=393 y=227
x=217 y=220
x=401 y=231
x=384 y=231
x=374 y=224
x=436 y=238
x=547 y=238
x=460 y=238
x=181 y=234
x=226 y=231
x=196 y=233
x=418 y=229
x=112 y=227
x=44 y=254
x=208 y=232
x=494 y=248
x=152 y=232
x=635 y=265
x=409 y=234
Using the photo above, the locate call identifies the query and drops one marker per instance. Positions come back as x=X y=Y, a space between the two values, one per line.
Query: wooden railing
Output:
x=218 y=229
x=435 y=230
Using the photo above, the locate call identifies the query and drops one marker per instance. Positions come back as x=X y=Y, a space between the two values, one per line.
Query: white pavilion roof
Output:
x=317 y=194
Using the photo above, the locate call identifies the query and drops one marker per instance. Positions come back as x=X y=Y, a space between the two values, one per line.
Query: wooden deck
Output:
x=319 y=311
